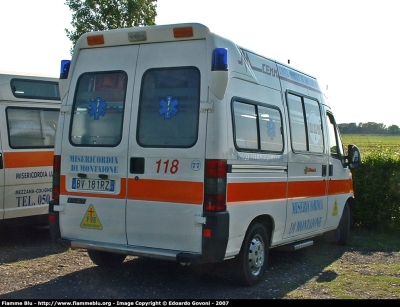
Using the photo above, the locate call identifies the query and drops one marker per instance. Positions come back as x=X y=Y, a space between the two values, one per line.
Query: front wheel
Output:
x=344 y=226
x=251 y=262
x=106 y=259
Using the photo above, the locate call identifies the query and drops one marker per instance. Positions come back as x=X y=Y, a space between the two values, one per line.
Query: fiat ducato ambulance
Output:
x=176 y=143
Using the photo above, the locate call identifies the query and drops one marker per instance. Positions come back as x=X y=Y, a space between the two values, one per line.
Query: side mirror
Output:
x=354 y=156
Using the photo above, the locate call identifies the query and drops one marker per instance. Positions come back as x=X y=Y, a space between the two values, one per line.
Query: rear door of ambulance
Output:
x=133 y=154
x=94 y=144
x=167 y=147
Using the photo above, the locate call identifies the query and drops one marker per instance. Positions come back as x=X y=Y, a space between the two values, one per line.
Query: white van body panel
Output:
x=260 y=169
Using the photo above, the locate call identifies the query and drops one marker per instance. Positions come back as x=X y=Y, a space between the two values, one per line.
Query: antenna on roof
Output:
x=288 y=61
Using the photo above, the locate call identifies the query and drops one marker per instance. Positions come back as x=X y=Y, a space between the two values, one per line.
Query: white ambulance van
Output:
x=175 y=143
x=29 y=112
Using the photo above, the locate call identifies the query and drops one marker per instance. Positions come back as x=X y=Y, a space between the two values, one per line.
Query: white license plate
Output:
x=93 y=184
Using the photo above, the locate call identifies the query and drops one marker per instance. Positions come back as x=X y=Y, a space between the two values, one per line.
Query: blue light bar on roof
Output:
x=220 y=59
x=65 y=64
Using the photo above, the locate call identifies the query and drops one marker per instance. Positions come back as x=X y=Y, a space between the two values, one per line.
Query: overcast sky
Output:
x=352 y=46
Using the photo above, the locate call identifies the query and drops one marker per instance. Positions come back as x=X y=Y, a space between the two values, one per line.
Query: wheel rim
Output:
x=256 y=255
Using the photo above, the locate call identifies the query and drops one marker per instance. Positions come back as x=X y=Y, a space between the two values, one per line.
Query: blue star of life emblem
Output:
x=168 y=107
x=97 y=107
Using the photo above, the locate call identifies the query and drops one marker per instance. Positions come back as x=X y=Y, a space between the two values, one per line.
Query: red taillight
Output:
x=56 y=177
x=52 y=218
x=216 y=169
x=215 y=185
x=214 y=202
x=207 y=233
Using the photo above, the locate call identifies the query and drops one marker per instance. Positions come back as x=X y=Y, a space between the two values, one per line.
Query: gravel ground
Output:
x=32 y=267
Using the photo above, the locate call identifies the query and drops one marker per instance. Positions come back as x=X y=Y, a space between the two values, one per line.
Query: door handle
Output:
x=136 y=166
x=330 y=170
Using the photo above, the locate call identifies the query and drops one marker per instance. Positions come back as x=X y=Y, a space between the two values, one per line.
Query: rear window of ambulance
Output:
x=169 y=107
x=98 y=109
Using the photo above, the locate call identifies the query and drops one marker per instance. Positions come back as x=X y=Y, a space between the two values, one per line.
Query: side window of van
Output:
x=335 y=144
x=305 y=124
x=31 y=127
x=169 y=107
x=35 y=89
x=98 y=109
x=257 y=128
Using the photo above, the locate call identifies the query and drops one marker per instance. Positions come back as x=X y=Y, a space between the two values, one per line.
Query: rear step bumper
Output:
x=140 y=251
x=295 y=246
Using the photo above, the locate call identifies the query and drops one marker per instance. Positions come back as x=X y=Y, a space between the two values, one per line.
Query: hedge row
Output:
x=377 y=191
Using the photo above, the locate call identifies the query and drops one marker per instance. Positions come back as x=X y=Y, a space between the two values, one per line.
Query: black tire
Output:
x=344 y=226
x=106 y=259
x=251 y=262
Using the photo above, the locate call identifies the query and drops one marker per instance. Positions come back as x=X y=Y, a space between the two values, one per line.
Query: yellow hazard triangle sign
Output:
x=91 y=220
x=335 y=208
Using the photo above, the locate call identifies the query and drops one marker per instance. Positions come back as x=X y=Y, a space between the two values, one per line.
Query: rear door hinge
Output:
x=199 y=220
x=59 y=208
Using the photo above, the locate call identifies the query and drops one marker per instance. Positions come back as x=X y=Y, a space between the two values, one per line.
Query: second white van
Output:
x=29 y=112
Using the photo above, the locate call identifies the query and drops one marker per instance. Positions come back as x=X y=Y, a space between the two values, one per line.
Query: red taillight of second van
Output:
x=215 y=185
x=56 y=177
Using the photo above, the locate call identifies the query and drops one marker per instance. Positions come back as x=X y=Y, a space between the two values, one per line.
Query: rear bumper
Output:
x=213 y=246
x=139 y=251
x=53 y=219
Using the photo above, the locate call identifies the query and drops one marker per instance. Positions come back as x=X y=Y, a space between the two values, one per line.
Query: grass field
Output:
x=366 y=142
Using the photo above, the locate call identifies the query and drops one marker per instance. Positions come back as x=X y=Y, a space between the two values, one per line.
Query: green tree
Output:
x=98 y=15
x=394 y=129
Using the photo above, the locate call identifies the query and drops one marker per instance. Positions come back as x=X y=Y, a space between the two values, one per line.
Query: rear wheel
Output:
x=251 y=262
x=106 y=259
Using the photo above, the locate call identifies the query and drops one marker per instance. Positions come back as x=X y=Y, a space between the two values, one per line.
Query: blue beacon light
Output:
x=65 y=64
x=220 y=59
